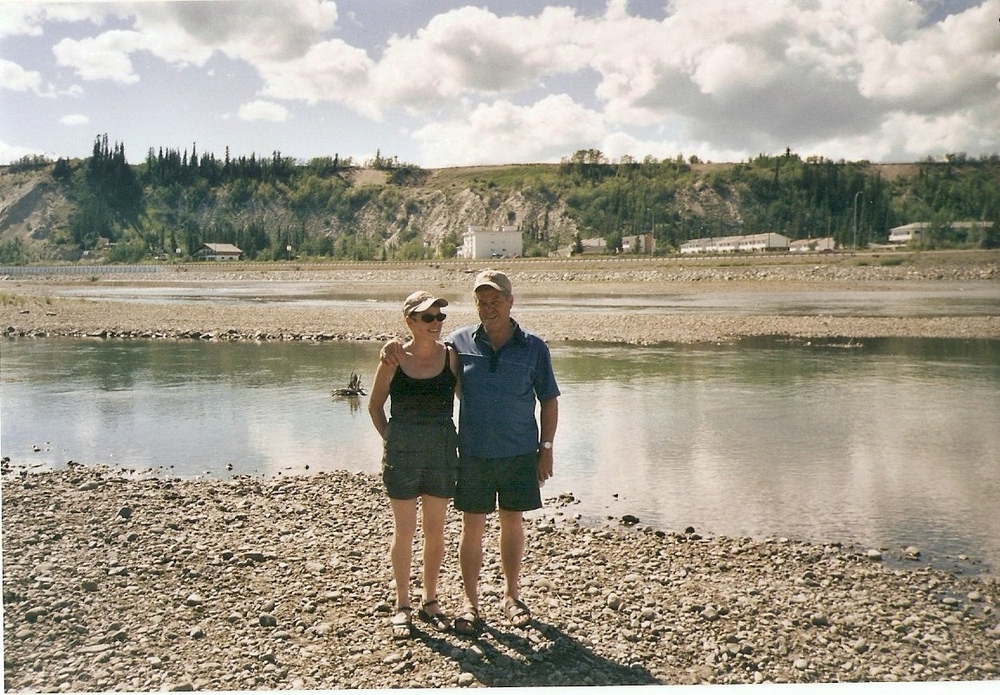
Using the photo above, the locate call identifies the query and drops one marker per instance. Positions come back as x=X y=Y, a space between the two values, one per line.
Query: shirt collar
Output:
x=517 y=335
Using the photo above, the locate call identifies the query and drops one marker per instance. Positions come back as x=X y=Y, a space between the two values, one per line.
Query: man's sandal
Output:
x=517 y=613
x=400 y=624
x=438 y=619
x=469 y=623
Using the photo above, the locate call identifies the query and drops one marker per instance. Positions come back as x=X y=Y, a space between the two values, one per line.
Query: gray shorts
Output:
x=510 y=482
x=420 y=458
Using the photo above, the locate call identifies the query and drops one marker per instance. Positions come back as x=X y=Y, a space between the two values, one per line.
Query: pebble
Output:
x=641 y=607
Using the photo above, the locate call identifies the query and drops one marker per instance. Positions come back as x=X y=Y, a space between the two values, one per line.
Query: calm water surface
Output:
x=890 y=444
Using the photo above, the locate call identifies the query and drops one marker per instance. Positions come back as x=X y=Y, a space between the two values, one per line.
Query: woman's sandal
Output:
x=469 y=623
x=401 y=625
x=517 y=613
x=439 y=620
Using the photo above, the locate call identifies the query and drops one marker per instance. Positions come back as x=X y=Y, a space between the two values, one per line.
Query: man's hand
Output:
x=544 y=466
x=392 y=353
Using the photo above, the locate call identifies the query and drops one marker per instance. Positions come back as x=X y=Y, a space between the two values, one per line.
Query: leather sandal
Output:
x=517 y=613
x=401 y=624
x=469 y=623
x=438 y=619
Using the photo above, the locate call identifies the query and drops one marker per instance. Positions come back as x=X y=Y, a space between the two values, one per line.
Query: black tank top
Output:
x=422 y=398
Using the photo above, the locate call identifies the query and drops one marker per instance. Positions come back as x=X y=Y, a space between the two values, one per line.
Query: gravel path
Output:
x=114 y=583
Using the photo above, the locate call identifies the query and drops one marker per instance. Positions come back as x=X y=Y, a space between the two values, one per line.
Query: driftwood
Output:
x=354 y=387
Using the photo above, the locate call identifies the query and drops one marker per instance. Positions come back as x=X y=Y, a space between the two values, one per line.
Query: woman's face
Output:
x=429 y=322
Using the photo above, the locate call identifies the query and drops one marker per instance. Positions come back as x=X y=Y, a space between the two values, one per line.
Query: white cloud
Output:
x=250 y=30
x=30 y=18
x=17 y=79
x=473 y=51
x=503 y=132
x=103 y=57
x=617 y=144
x=12 y=153
x=751 y=76
x=189 y=33
x=21 y=19
x=329 y=71
x=937 y=135
x=952 y=63
x=260 y=110
x=717 y=78
x=74 y=119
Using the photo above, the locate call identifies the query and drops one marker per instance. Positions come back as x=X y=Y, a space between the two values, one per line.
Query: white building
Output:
x=908 y=233
x=640 y=243
x=594 y=246
x=913 y=233
x=750 y=243
x=219 y=252
x=480 y=242
x=826 y=243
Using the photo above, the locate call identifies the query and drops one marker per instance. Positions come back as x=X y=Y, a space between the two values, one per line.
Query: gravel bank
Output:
x=34 y=317
x=115 y=583
x=31 y=306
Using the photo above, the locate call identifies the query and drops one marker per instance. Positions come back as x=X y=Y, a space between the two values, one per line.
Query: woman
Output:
x=420 y=457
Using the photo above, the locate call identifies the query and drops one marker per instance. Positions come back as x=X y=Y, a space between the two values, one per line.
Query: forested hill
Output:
x=171 y=203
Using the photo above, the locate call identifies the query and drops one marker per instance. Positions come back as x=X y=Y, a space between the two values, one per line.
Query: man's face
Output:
x=493 y=306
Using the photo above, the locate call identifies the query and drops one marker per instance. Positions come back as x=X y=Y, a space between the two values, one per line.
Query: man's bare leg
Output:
x=470 y=559
x=511 y=555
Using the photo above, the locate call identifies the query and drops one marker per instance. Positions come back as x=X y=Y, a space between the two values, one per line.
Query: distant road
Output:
x=77 y=269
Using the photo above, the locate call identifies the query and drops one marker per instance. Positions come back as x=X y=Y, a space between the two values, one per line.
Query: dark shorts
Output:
x=513 y=482
x=420 y=458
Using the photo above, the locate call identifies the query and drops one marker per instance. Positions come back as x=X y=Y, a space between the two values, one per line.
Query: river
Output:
x=883 y=443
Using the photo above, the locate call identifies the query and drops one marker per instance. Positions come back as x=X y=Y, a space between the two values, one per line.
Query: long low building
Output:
x=767 y=241
x=913 y=233
x=219 y=252
x=819 y=245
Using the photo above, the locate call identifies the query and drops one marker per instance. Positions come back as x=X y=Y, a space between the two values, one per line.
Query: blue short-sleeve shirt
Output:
x=496 y=417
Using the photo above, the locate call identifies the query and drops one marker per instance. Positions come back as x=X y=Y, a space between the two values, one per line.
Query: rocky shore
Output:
x=114 y=582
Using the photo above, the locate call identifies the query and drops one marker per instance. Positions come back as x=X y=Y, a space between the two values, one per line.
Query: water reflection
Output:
x=892 y=443
x=186 y=408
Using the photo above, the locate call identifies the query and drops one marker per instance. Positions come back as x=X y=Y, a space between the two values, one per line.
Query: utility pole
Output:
x=856 y=220
x=652 y=235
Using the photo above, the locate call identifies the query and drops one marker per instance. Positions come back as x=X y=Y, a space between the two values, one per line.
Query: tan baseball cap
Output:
x=492 y=278
x=421 y=301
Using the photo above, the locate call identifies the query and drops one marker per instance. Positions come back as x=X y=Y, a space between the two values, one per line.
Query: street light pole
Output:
x=856 y=220
x=648 y=248
x=652 y=231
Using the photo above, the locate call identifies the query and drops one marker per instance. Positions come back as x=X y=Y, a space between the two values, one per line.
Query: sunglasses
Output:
x=431 y=318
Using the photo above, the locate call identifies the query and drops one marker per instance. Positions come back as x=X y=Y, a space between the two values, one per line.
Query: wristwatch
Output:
x=546 y=445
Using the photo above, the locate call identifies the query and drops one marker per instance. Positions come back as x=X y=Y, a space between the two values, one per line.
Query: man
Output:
x=504 y=453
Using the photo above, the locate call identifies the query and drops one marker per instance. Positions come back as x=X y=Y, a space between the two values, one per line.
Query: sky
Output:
x=443 y=83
